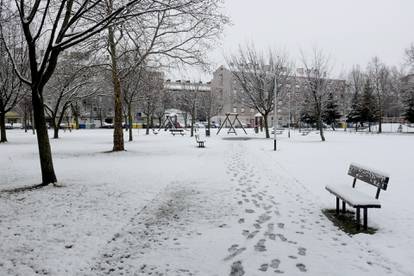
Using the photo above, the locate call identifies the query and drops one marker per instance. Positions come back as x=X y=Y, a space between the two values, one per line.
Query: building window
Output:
x=242 y=110
x=234 y=109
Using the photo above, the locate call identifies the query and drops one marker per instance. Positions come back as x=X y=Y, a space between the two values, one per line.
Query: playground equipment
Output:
x=170 y=121
x=232 y=123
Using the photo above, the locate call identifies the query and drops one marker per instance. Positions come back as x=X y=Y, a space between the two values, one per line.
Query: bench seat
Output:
x=353 y=197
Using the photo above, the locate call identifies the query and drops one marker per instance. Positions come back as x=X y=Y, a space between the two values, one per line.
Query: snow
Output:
x=352 y=196
x=166 y=207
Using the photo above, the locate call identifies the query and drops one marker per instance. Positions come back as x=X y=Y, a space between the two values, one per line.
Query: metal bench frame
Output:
x=199 y=141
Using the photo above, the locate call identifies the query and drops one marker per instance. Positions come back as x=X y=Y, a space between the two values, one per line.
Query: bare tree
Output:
x=395 y=102
x=166 y=101
x=25 y=105
x=409 y=53
x=211 y=103
x=179 y=32
x=131 y=88
x=11 y=88
x=150 y=96
x=317 y=68
x=72 y=82
x=189 y=101
x=257 y=74
x=49 y=28
x=379 y=74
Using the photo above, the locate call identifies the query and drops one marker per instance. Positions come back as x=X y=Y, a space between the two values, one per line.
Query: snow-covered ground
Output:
x=166 y=207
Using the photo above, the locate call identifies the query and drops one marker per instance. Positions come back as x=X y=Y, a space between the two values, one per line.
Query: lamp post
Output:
x=275 y=119
x=290 y=114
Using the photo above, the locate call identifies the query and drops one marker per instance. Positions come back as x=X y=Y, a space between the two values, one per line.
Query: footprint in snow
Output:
x=237 y=269
x=281 y=237
x=275 y=263
x=264 y=267
x=260 y=245
x=301 y=267
x=302 y=251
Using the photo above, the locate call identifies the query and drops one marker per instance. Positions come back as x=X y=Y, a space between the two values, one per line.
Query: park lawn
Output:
x=166 y=206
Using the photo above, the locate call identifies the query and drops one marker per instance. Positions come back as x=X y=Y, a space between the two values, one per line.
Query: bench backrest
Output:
x=377 y=179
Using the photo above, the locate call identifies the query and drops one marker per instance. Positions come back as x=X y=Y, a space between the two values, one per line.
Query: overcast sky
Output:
x=350 y=31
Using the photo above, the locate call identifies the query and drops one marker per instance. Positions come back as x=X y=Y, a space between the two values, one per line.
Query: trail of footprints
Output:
x=265 y=229
x=163 y=223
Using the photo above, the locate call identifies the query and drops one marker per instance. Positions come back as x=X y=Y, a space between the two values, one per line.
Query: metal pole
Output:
x=290 y=114
x=275 y=116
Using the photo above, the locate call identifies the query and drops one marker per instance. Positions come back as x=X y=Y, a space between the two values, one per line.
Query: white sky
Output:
x=349 y=31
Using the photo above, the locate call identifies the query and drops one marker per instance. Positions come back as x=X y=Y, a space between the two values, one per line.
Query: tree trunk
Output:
x=69 y=124
x=75 y=115
x=126 y=123
x=131 y=138
x=3 y=138
x=25 y=118
x=56 y=126
x=45 y=153
x=185 y=120
x=192 y=125
x=56 y=131
x=118 y=133
x=266 y=125
x=320 y=126
x=148 y=125
x=100 y=117
x=380 y=124
x=32 y=122
x=208 y=126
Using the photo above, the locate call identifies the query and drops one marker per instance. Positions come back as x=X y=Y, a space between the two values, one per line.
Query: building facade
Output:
x=290 y=102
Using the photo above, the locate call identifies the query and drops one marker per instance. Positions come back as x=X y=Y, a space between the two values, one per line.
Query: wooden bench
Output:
x=199 y=141
x=357 y=199
x=174 y=131
x=305 y=132
x=279 y=131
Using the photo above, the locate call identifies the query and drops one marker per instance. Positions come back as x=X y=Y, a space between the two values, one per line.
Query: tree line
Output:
x=363 y=98
x=125 y=33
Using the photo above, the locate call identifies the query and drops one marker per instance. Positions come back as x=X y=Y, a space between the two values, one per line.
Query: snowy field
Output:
x=166 y=207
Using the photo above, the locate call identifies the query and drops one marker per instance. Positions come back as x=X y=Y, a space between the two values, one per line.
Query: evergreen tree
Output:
x=409 y=108
x=355 y=116
x=307 y=114
x=368 y=111
x=331 y=114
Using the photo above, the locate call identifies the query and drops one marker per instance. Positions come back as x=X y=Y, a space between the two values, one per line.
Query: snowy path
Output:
x=257 y=220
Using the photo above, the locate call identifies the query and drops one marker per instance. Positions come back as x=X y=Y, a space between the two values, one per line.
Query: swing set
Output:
x=232 y=123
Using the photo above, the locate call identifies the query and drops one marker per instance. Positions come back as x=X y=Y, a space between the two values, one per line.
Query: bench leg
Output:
x=343 y=207
x=337 y=205
x=365 y=218
x=358 y=218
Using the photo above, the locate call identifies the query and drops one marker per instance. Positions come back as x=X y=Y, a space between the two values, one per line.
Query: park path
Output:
x=258 y=220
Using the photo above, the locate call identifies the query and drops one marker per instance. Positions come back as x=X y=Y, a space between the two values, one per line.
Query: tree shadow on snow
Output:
x=29 y=188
